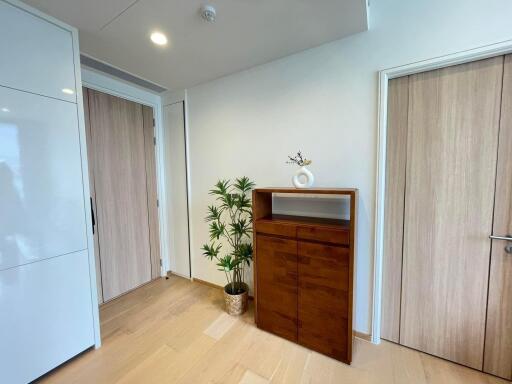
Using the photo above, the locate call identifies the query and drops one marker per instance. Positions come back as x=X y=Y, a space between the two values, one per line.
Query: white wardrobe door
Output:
x=41 y=190
x=49 y=316
x=37 y=56
x=176 y=191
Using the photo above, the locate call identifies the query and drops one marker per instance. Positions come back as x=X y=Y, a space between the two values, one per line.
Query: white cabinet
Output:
x=41 y=198
x=48 y=304
x=36 y=55
x=45 y=316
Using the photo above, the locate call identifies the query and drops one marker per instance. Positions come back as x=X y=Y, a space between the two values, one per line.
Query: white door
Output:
x=176 y=191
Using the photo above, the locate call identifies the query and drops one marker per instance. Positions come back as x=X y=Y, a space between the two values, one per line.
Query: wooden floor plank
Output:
x=176 y=331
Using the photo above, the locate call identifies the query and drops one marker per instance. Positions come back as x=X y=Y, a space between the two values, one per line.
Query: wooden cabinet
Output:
x=303 y=275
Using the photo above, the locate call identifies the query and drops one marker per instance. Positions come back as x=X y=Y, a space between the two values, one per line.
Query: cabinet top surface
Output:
x=330 y=191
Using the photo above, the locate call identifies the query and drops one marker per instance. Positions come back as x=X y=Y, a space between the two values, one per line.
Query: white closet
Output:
x=48 y=308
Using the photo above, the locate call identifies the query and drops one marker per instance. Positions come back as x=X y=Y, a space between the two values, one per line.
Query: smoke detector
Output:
x=208 y=13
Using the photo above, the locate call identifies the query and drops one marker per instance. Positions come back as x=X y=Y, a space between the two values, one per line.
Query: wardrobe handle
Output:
x=92 y=216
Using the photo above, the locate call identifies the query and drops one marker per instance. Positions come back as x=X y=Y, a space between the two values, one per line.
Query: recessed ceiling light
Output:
x=5 y=109
x=158 y=38
x=67 y=91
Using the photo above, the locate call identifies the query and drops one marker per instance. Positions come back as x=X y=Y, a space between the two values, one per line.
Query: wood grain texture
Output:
x=327 y=237
x=277 y=286
x=155 y=334
x=498 y=341
x=396 y=159
x=323 y=273
x=121 y=195
x=324 y=234
x=451 y=162
x=90 y=159
x=261 y=207
x=354 y=209
x=152 y=190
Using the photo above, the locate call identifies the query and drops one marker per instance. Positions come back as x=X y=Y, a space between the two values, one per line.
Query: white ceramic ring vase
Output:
x=306 y=173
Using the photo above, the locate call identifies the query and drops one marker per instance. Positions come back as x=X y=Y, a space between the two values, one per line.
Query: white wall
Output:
x=323 y=101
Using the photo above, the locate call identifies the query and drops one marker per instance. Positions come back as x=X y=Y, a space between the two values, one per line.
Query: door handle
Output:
x=506 y=238
x=508 y=247
x=93 y=219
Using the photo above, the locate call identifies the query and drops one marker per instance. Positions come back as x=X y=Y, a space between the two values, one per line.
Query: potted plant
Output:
x=231 y=225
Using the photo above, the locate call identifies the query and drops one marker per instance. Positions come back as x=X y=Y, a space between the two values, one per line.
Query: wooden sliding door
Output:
x=442 y=158
x=123 y=177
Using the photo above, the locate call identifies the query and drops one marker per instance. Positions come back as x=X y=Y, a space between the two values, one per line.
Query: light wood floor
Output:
x=175 y=331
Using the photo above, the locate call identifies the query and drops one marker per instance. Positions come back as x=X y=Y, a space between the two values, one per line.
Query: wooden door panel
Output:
x=323 y=298
x=498 y=341
x=121 y=196
x=154 y=228
x=92 y=189
x=453 y=124
x=277 y=286
x=396 y=157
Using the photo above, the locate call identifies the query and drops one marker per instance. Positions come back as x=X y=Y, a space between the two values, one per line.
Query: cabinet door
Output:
x=37 y=56
x=45 y=316
x=277 y=286
x=41 y=193
x=323 y=298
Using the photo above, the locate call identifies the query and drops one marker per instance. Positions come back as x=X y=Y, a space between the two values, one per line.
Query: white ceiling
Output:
x=246 y=33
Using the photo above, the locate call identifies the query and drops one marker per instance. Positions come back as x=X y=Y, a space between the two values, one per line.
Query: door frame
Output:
x=483 y=52
x=111 y=86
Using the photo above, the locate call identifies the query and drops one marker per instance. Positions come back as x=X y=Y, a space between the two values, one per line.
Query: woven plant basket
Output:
x=236 y=304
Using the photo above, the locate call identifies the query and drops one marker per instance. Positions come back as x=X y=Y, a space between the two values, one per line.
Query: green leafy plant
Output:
x=231 y=220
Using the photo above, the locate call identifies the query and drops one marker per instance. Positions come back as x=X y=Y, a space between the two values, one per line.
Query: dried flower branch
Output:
x=298 y=159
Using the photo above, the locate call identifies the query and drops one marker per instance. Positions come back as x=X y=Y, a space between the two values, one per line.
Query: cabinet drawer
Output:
x=321 y=234
x=279 y=229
